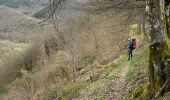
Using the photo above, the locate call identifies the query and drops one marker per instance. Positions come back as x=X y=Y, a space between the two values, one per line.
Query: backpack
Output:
x=134 y=43
x=130 y=45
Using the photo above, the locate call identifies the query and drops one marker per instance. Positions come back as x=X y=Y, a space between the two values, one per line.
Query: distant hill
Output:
x=18 y=3
x=28 y=7
x=16 y=26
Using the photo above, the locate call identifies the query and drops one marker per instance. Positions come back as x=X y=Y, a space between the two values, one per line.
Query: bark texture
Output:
x=159 y=65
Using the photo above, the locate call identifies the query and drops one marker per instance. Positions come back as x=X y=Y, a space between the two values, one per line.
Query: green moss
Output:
x=3 y=90
x=100 y=98
x=141 y=92
x=167 y=47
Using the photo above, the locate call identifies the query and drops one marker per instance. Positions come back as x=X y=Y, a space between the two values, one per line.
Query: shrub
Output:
x=10 y=69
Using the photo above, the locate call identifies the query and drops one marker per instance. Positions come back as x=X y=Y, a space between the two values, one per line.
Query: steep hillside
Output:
x=79 y=48
x=19 y=36
x=16 y=26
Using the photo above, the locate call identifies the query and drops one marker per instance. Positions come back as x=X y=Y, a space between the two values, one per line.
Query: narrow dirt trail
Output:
x=118 y=88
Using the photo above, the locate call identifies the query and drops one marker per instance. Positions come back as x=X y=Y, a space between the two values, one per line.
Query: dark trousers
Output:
x=130 y=54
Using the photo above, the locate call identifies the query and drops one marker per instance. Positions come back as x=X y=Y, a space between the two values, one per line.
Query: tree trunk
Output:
x=156 y=73
x=159 y=59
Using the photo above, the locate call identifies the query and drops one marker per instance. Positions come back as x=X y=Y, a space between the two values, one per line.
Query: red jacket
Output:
x=134 y=44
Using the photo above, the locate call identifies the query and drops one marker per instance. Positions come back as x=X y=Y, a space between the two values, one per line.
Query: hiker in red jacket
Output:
x=131 y=46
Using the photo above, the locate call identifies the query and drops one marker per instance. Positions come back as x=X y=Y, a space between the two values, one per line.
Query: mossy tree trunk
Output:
x=166 y=26
x=159 y=65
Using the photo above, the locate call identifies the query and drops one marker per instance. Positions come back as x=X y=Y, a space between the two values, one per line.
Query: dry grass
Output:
x=10 y=68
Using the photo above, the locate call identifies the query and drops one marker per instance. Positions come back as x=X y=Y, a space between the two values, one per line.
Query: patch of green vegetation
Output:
x=110 y=69
x=19 y=49
x=3 y=90
x=72 y=91
x=100 y=98
x=52 y=95
x=117 y=65
x=98 y=87
x=134 y=26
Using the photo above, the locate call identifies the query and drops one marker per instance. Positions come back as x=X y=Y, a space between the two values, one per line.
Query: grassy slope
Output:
x=87 y=89
x=136 y=78
x=96 y=90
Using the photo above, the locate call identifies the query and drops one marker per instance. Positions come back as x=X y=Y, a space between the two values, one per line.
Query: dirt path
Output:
x=118 y=88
